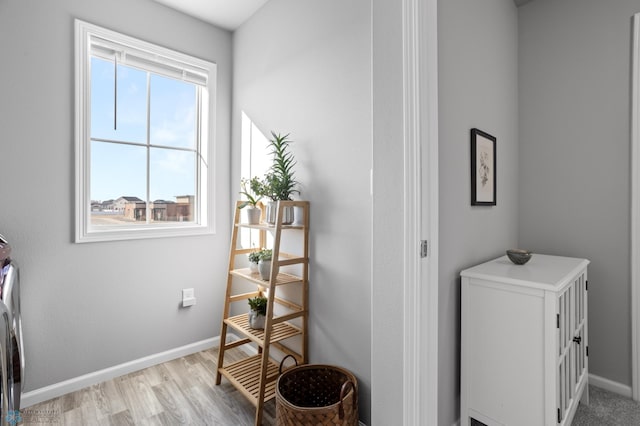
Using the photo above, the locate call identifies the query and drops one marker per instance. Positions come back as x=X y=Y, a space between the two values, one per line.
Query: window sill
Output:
x=110 y=234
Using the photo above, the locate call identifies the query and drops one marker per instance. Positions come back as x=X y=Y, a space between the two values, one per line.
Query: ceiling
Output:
x=230 y=14
x=227 y=14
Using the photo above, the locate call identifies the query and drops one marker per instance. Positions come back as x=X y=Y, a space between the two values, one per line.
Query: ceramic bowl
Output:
x=519 y=256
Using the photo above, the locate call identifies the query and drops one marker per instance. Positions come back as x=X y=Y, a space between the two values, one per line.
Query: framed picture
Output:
x=483 y=168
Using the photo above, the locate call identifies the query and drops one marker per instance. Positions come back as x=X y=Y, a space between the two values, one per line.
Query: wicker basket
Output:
x=319 y=395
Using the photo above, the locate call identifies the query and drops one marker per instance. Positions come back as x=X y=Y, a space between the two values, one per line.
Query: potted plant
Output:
x=251 y=203
x=257 y=312
x=254 y=258
x=264 y=265
x=279 y=183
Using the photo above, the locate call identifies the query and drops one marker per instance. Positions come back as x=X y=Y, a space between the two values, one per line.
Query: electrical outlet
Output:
x=188 y=297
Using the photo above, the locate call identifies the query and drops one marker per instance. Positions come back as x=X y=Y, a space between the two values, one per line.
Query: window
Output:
x=254 y=161
x=143 y=138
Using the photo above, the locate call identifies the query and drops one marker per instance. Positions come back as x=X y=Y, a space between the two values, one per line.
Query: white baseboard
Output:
x=58 y=389
x=610 y=385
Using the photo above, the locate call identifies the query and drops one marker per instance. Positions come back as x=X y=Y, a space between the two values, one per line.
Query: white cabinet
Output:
x=524 y=342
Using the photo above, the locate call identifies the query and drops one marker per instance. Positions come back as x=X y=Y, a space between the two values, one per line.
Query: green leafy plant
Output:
x=258 y=255
x=279 y=183
x=265 y=254
x=253 y=196
x=261 y=188
x=254 y=256
x=258 y=304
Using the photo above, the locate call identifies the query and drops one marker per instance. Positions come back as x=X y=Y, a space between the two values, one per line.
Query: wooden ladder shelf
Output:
x=255 y=376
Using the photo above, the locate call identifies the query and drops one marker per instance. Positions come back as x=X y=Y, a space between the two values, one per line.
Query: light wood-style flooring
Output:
x=178 y=392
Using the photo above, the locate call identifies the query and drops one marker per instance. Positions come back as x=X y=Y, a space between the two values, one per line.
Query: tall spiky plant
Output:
x=280 y=182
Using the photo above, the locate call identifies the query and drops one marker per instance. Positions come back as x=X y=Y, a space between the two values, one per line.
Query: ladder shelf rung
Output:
x=283 y=277
x=236 y=343
x=245 y=376
x=279 y=331
x=266 y=227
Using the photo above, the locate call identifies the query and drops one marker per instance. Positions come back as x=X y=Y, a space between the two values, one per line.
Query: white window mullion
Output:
x=148 y=210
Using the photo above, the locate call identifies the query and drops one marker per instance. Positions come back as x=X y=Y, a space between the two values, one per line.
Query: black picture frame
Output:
x=483 y=168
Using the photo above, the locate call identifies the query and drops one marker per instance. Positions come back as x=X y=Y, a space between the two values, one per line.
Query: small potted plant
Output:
x=251 y=203
x=279 y=183
x=257 y=312
x=254 y=258
x=264 y=265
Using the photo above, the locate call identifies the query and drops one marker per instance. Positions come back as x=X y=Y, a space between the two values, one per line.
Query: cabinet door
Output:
x=580 y=332
x=566 y=353
x=572 y=343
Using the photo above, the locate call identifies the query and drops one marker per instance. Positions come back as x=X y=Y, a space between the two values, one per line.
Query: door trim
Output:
x=635 y=211
x=420 y=97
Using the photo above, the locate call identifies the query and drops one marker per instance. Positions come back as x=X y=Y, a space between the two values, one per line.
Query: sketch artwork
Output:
x=483 y=169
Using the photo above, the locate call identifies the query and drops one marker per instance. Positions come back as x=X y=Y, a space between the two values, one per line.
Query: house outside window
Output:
x=143 y=139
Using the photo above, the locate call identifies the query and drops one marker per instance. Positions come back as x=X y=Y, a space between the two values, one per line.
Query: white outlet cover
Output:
x=188 y=297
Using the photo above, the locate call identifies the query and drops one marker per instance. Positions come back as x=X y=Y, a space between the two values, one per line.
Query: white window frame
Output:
x=170 y=63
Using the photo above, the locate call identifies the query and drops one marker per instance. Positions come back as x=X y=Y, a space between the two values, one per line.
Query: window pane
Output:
x=118 y=184
x=131 y=102
x=160 y=149
x=172 y=112
x=173 y=185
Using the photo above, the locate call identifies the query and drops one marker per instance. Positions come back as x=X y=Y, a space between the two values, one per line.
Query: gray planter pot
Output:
x=256 y=320
x=287 y=214
x=264 y=267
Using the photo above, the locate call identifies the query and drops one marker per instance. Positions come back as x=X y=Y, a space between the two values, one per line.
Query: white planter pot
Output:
x=256 y=320
x=252 y=215
x=264 y=267
x=253 y=267
x=287 y=214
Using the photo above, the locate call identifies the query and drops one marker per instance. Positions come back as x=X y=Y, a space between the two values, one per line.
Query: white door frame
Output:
x=404 y=322
x=635 y=211
x=420 y=335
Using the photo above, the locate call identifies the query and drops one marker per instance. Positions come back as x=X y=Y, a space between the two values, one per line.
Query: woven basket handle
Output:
x=282 y=362
x=346 y=386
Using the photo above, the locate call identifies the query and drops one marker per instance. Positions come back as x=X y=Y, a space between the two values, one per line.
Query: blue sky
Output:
x=117 y=169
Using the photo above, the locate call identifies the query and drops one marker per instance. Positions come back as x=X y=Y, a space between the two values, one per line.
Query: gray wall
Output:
x=574 y=156
x=388 y=232
x=91 y=306
x=478 y=88
x=305 y=68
